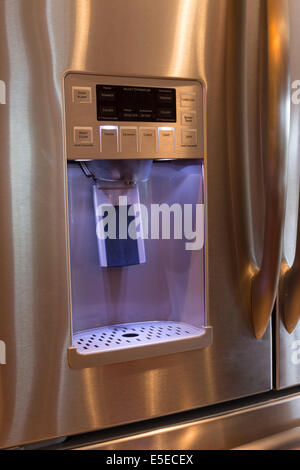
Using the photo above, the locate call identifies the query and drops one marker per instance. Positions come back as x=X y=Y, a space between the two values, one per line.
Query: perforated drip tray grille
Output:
x=127 y=335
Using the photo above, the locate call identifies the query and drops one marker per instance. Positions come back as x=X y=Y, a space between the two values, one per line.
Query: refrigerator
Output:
x=190 y=100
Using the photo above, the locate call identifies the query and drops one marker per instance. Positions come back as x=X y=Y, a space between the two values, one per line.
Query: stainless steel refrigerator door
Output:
x=213 y=40
x=288 y=304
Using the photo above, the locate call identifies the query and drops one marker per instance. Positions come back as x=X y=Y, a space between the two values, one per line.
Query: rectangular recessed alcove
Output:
x=136 y=312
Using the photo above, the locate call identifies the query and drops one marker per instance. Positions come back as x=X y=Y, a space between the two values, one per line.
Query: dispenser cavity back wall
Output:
x=133 y=299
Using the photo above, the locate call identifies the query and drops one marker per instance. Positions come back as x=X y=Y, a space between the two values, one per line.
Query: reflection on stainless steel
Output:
x=272 y=423
x=288 y=328
x=83 y=11
x=266 y=279
x=290 y=290
x=184 y=26
x=287 y=440
x=40 y=396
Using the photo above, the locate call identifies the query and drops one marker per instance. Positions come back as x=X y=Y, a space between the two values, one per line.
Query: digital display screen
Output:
x=140 y=104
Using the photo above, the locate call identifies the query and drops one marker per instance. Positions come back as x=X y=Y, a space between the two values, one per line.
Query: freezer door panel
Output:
x=288 y=302
x=211 y=41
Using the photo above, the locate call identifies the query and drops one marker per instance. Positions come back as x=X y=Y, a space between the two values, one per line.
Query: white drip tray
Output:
x=131 y=334
x=130 y=341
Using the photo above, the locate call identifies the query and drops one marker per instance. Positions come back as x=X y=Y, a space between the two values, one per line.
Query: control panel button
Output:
x=188 y=118
x=166 y=139
x=128 y=139
x=109 y=139
x=189 y=137
x=147 y=140
x=188 y=100
x=81 y=94
x=83 y=135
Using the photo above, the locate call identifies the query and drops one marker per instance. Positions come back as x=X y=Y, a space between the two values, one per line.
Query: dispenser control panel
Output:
x=118 y=117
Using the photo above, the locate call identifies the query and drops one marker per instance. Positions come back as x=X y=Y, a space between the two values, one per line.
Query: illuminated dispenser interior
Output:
x=135 y=176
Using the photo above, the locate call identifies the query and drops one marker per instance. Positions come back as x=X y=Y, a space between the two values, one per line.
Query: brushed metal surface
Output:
x=268 y=424
x=216 y=41
x=287 y=440
x=287 y=333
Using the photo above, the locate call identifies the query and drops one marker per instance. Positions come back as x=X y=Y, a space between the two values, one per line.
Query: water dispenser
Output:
x=136 y=204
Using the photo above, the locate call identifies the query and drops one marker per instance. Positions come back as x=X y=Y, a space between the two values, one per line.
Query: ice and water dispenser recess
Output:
x=135 y=176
